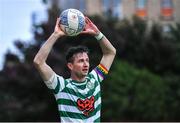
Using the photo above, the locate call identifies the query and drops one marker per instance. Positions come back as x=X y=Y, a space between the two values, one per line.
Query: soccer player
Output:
x=79 y=97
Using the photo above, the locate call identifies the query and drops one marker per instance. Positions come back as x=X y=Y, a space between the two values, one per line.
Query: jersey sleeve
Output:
x=99 y=73
x=56 y=83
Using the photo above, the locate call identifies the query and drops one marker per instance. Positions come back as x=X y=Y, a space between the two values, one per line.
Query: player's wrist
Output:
x=99 y=36
x=56 y=34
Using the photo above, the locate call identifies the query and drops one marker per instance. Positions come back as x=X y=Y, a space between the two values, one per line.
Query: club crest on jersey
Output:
x=86 y=105
x=90 y=84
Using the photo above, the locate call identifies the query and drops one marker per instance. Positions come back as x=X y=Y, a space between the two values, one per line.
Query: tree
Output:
x=131 y=94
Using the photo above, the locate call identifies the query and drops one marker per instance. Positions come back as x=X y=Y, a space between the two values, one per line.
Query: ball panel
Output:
x=70 y=31
x=72 y=22
x=64 y=18
x=81 y=24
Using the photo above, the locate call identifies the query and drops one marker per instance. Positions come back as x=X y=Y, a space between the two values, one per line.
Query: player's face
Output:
x=80 y=65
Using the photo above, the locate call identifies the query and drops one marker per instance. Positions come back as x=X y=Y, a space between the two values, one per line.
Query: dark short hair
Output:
x=74 y=50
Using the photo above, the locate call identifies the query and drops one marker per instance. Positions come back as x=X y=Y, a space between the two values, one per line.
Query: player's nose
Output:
x=86 y=64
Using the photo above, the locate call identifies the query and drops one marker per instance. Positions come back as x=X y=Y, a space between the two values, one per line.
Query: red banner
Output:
x=167 y=12
x=141 y=12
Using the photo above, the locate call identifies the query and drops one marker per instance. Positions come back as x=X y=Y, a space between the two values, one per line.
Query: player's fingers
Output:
x=88 y=20
x=57 y=21
x=84 y=32
x=87 y=31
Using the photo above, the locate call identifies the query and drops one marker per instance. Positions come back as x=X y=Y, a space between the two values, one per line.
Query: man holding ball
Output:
x=79 y=97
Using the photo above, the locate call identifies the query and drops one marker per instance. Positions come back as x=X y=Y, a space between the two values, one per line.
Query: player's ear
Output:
x=69 y=65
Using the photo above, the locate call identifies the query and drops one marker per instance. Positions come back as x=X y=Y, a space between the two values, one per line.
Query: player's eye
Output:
x=87 y=60
x=81 y=60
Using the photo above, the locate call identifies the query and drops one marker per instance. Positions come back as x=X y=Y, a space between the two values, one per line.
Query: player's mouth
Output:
x=85 y=70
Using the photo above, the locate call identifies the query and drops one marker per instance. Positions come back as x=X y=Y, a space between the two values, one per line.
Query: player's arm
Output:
x=108 y=50
x=40 y=59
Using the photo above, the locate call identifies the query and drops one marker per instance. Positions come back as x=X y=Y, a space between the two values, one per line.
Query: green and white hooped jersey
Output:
x=79 y=102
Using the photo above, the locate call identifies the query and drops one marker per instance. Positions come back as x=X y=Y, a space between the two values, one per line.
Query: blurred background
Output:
x=143 y=83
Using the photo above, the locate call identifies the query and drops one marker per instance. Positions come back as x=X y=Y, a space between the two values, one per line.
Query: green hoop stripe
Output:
x=56 y=90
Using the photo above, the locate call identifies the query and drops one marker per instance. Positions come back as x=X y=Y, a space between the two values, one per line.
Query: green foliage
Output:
x=175 y=32
x=172 y=97
x=24 y=96
x=130 y=94
x=146 y=46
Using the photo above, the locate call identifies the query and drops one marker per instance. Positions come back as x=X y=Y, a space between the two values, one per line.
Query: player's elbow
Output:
x=37 y=62
x=113 y=51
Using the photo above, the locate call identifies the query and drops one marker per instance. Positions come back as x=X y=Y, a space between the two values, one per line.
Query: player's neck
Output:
x=77 y=78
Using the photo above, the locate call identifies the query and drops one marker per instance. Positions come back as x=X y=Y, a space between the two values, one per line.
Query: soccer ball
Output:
x=72 y=22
